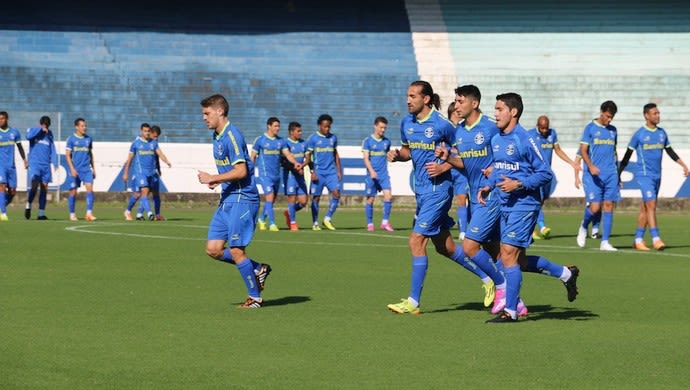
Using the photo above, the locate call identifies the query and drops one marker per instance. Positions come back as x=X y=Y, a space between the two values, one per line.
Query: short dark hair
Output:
x=428 y=90
x=76 y=121
x=216 y=101
x=45 y=120
x=609 y=106
x=293 y=126
x=324 y=117
x=512 y=100
x=144 y=125
x=470 y=91
x=5 y=114
x=155 y=129
x=381 y=119
x=451 y=108
x=271 y=120
x=645 y=109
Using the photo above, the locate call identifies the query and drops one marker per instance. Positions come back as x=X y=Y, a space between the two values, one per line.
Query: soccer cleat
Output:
x=288 y=223
x=150 y=216
x=503 y=317
x=160 y=218
x=387 y=227
x=262 y=275
x=607 y=247
x=536 y=235
x=251 y=303
x=315 y=227
x=328 y=224
x=522 y=309
x=90 y=217
x=42 y=218
x=461 y=236
x=499 y=301
x=139 y=217
x=128 y=215
x=370 y=227
x=273 y=228
x=489 y=293
x=545 y=232
x=404 y=307
x=294 y=227
x=27 y=213
x=4 y=218
x=659 y=245
x=640 y=246
x=262 y=224
x=73 y=218
x=571 y=284
x=581 y=236
x=595 y=232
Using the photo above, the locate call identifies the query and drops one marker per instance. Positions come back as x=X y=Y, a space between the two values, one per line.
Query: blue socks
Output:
x=32 y=195
x=387 y=206
x=3 y=203
x=541 y=265
x=607 y=221
x=145 y=204
x=462 y=218
x=132 y=201
x=71 y=203
x=419 y=267
x=639 y=233
x=540 y=219
x=247 y=271
x=460 y=258
x=42 y=199
x=369 y=212
x=332 y=206
x=89 y=201
x=484 y=261
x=157 y=203
x=291 y=212
x=513 y=285
x=654 y=232
x=268 y=211
x=314 y=211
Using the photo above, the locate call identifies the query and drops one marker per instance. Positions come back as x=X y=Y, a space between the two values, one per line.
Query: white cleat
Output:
x=581 y=236
x=605 y=246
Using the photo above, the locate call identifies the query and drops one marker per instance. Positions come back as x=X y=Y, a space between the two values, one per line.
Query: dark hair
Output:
x=609 y=106
x=645 y=109
x=76 y=121
x=45 y=120
x=512 y=100
x=381 y=119
x=427 y=90
x=470 y=91
x=144 y=125
x=156 y=130
x=5 y=114
x=451 y=108
x=271 y=120
x=324 y=117
x=293 y=125
x=216 y=101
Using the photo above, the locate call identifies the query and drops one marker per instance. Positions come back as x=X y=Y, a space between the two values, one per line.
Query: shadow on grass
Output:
x=536 y=312
x=286 y=301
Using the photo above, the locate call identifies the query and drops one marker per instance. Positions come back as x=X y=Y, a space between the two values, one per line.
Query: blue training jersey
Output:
x=378 y=153
x=322 y=149
x=602 y=141
x=473 y=143
x=297 y=148
x=517 y=156
x=268 y=150
x=649 y=145
x=546 y=143
x=422 y=137
x=9 y=137
x=144 y=161
x=229 y=149
x=41 y=147
x=81 y=151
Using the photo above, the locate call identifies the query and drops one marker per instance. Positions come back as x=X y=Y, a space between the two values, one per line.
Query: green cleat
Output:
x=262 y=224
x=489 y=293
x=328 y=224
x=404 y=307
x=315 y=227
x=535 y=235
x=545 y=232
x=273 y=228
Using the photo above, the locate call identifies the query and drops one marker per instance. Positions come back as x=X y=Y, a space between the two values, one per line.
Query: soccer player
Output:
x=155 y=185
x=547 y=139
x=79 y=156
x=649 y=141
x=266 y=153
x=460 y=185
x=375 y=150
x=42 y=155
x=598 y=151
x=519 y=172
x=235 y=219
x=322 y=150
x=295 y=186
x=142 y=152
x=596 y=219
x=421 y=132
x=9 y=137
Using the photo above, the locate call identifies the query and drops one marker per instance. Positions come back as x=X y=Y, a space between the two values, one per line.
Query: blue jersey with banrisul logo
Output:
x=229 y=149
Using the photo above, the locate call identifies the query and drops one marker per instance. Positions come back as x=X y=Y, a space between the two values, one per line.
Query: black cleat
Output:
x=27 y=213
x=264 y=271
x=151 y=217
x=501 y=318
x=571 y=284
x=140 y=218
x=42 y=218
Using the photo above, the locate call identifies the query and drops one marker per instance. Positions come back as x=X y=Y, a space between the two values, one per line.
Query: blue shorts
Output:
x=156 y=183
x=269 y=185
x=85 y=176
x=294 y=184
x=601 y=188
x=234 y=223
x=649 y=187
x=42 y=174
x=374 y=186
x=145 y=181
x=8 y=176
x=517 y=227
x=432 y=213
x=328 y=181
x=485 y=224
x=460 y=184
x=547 y=189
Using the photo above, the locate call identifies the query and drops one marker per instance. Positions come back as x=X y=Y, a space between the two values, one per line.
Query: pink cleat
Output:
x=387 y=227
x=522 y=309
x=370 y=227
x=499 y=301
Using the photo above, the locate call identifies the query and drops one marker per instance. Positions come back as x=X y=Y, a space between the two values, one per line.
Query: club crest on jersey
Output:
x=646 y=139
x=496 y=148
x=220 y=148
x=510 y=149
x=597 y=134
x=612 y=134
x=410 y=131
x=661 y=138
x=479 y=139
x=429 y=132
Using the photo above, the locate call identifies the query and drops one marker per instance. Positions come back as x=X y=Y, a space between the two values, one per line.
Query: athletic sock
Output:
x=540 y=219
x=513 y=284
x=654 y=232
x=89 y=202
x=387 y=207
x=314 y=211
x=419 y=267
x=459 y=257
x=462 y=218
x=542 y=265
x=42 y=199
x=291 y=212
x=157 y=204
x=71 y=203
x=332 y=206
x=369 y=212
x=639 y=234
x=607 y=221
x=247 y=271
x=484 y=261
x=268 y=210
x=132 y=201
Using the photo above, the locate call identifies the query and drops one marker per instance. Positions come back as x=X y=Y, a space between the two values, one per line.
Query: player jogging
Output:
x=375 y=149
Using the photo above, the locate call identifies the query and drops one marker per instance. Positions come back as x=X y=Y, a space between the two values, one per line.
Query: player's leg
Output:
x=269 y=213
x=513 y=276
x=333 y=185
x=11 y=190
x=420 y=264
x=90 y=199
x=3 y=198
x=611 y=196
x=144 y=200
x=35 y=179
x=156 y=191
x=369 y=212
x=461 y=202
x=46 y=177
x=72 y=203
x=387 y=207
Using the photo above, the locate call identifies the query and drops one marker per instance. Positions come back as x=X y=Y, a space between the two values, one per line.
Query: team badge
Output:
x=429 y=132
x=479 y=139
x=410 y=131
x=496 y=148
x=510 y=149
x=220 y=148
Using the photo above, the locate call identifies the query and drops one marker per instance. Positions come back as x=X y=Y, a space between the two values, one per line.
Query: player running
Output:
x=375 y=149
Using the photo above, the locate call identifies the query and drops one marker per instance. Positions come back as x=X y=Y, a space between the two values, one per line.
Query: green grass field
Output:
x=131 y=305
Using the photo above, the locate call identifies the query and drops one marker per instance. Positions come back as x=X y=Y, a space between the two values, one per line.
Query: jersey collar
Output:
x=222 y=131
x=426 y=118
x=479 y=119
x=654 y=129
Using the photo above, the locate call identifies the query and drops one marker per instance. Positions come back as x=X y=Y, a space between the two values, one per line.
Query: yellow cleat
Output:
x=3 y=217
x=489 y=293
x=536 y=235
x=273 y=228
x=545 y=232
x=262 y=224
x=404 y=307
x=315 y=227
x=328 y=224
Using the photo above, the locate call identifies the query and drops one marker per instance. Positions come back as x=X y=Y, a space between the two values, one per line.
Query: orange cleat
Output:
x=659 y=245
x=294 y=227
x=640 y=246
